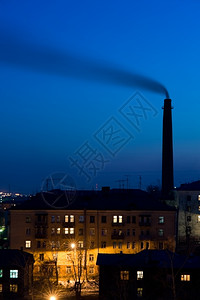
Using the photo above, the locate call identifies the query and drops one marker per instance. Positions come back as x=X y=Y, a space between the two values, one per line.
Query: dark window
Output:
x=41 y=256
x=133 y=232
x=142 y=245
x=92 y=244
x=103 y=219
x=134 y=219
x=147 y=245
x=128 y=232
x=161 y=246
x=189 y=198
x=80 y=231
x=189 y=208
x=189 y=218
x=28 y=219
x=38 y=244
x=133 y=245
x=103 y=244
x=44 y=244
x=92 y=219
x=128 y=220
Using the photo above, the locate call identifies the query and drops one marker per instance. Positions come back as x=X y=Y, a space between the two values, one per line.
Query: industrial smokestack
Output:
x=167 y=151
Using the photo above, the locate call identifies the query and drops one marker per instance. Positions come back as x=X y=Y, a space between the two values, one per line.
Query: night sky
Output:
x=82 y=85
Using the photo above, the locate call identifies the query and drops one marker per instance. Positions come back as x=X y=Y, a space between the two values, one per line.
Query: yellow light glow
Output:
x=52 y=298
x=73 y=245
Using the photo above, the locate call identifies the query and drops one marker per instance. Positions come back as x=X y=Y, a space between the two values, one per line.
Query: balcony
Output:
x=117 y=236
x=145 y=223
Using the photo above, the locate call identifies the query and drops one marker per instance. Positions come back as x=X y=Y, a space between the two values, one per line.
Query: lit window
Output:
x=80 y=244
x=68 y=269
x=71 y=218
x=199 y=197
x=13 y=288
x=1 y=287
x=139 y=292
x=139 y=275
x=1 y=273
x=160 y=232
x=185 y=277
x=81 y=219
x=120 y=219
x=13 y=273
x=66 y=218
x=161 y=220
x=124 y=275
x=91 y=257
x=53 y=230
x=198 y=218
x=91 y=270
x=58 y=230
x=71 y=230
x=28 y=244
x=199 y=207
x=92 y=231
x=66 y=230
x=114 y=219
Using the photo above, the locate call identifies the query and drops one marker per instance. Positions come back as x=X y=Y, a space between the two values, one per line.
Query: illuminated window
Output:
x=161 y=220
x=13 y=288
x=1 y=273
x=92 y=231
x=199 y=197
x=71 y=230
x=120 y=219
x=58 y=230
x=66 y=218
x=1 y=287
x=114 y=219
x=139 y=292
x=198 y=218
x=53 y=230
x=71 y=219
x=185 y=277
x=199 y=207
x=124 y=275
x=91 y=257
x=80 y=244
x=66 y=230
x=160 y=232
x=68 y=269
x=13 y=273
x=91 y=270
x=28 y=244
x=139 y=275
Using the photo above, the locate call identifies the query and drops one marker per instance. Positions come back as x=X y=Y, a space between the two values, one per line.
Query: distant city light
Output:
x=73 y=245
x=52 y=298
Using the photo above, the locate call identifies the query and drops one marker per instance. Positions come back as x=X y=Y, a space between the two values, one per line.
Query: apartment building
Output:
x=65 y=242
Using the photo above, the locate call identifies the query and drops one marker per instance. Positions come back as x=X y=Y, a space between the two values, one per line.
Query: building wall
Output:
x=91 y=232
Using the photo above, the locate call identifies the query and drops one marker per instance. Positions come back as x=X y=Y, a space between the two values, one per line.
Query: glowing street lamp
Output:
x=52 y=298
x=73 y=245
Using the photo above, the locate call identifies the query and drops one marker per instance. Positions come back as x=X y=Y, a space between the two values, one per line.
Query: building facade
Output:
x=65 y=242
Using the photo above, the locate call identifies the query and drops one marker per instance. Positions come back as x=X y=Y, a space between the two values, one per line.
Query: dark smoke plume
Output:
x=15 y=51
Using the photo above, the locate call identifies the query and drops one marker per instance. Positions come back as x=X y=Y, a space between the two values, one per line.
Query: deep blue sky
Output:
x=50 y=52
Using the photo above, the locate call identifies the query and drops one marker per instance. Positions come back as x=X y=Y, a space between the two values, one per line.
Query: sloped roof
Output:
x=114 y=199
x=14 y=257
x=148 y=259
x=192 y=186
